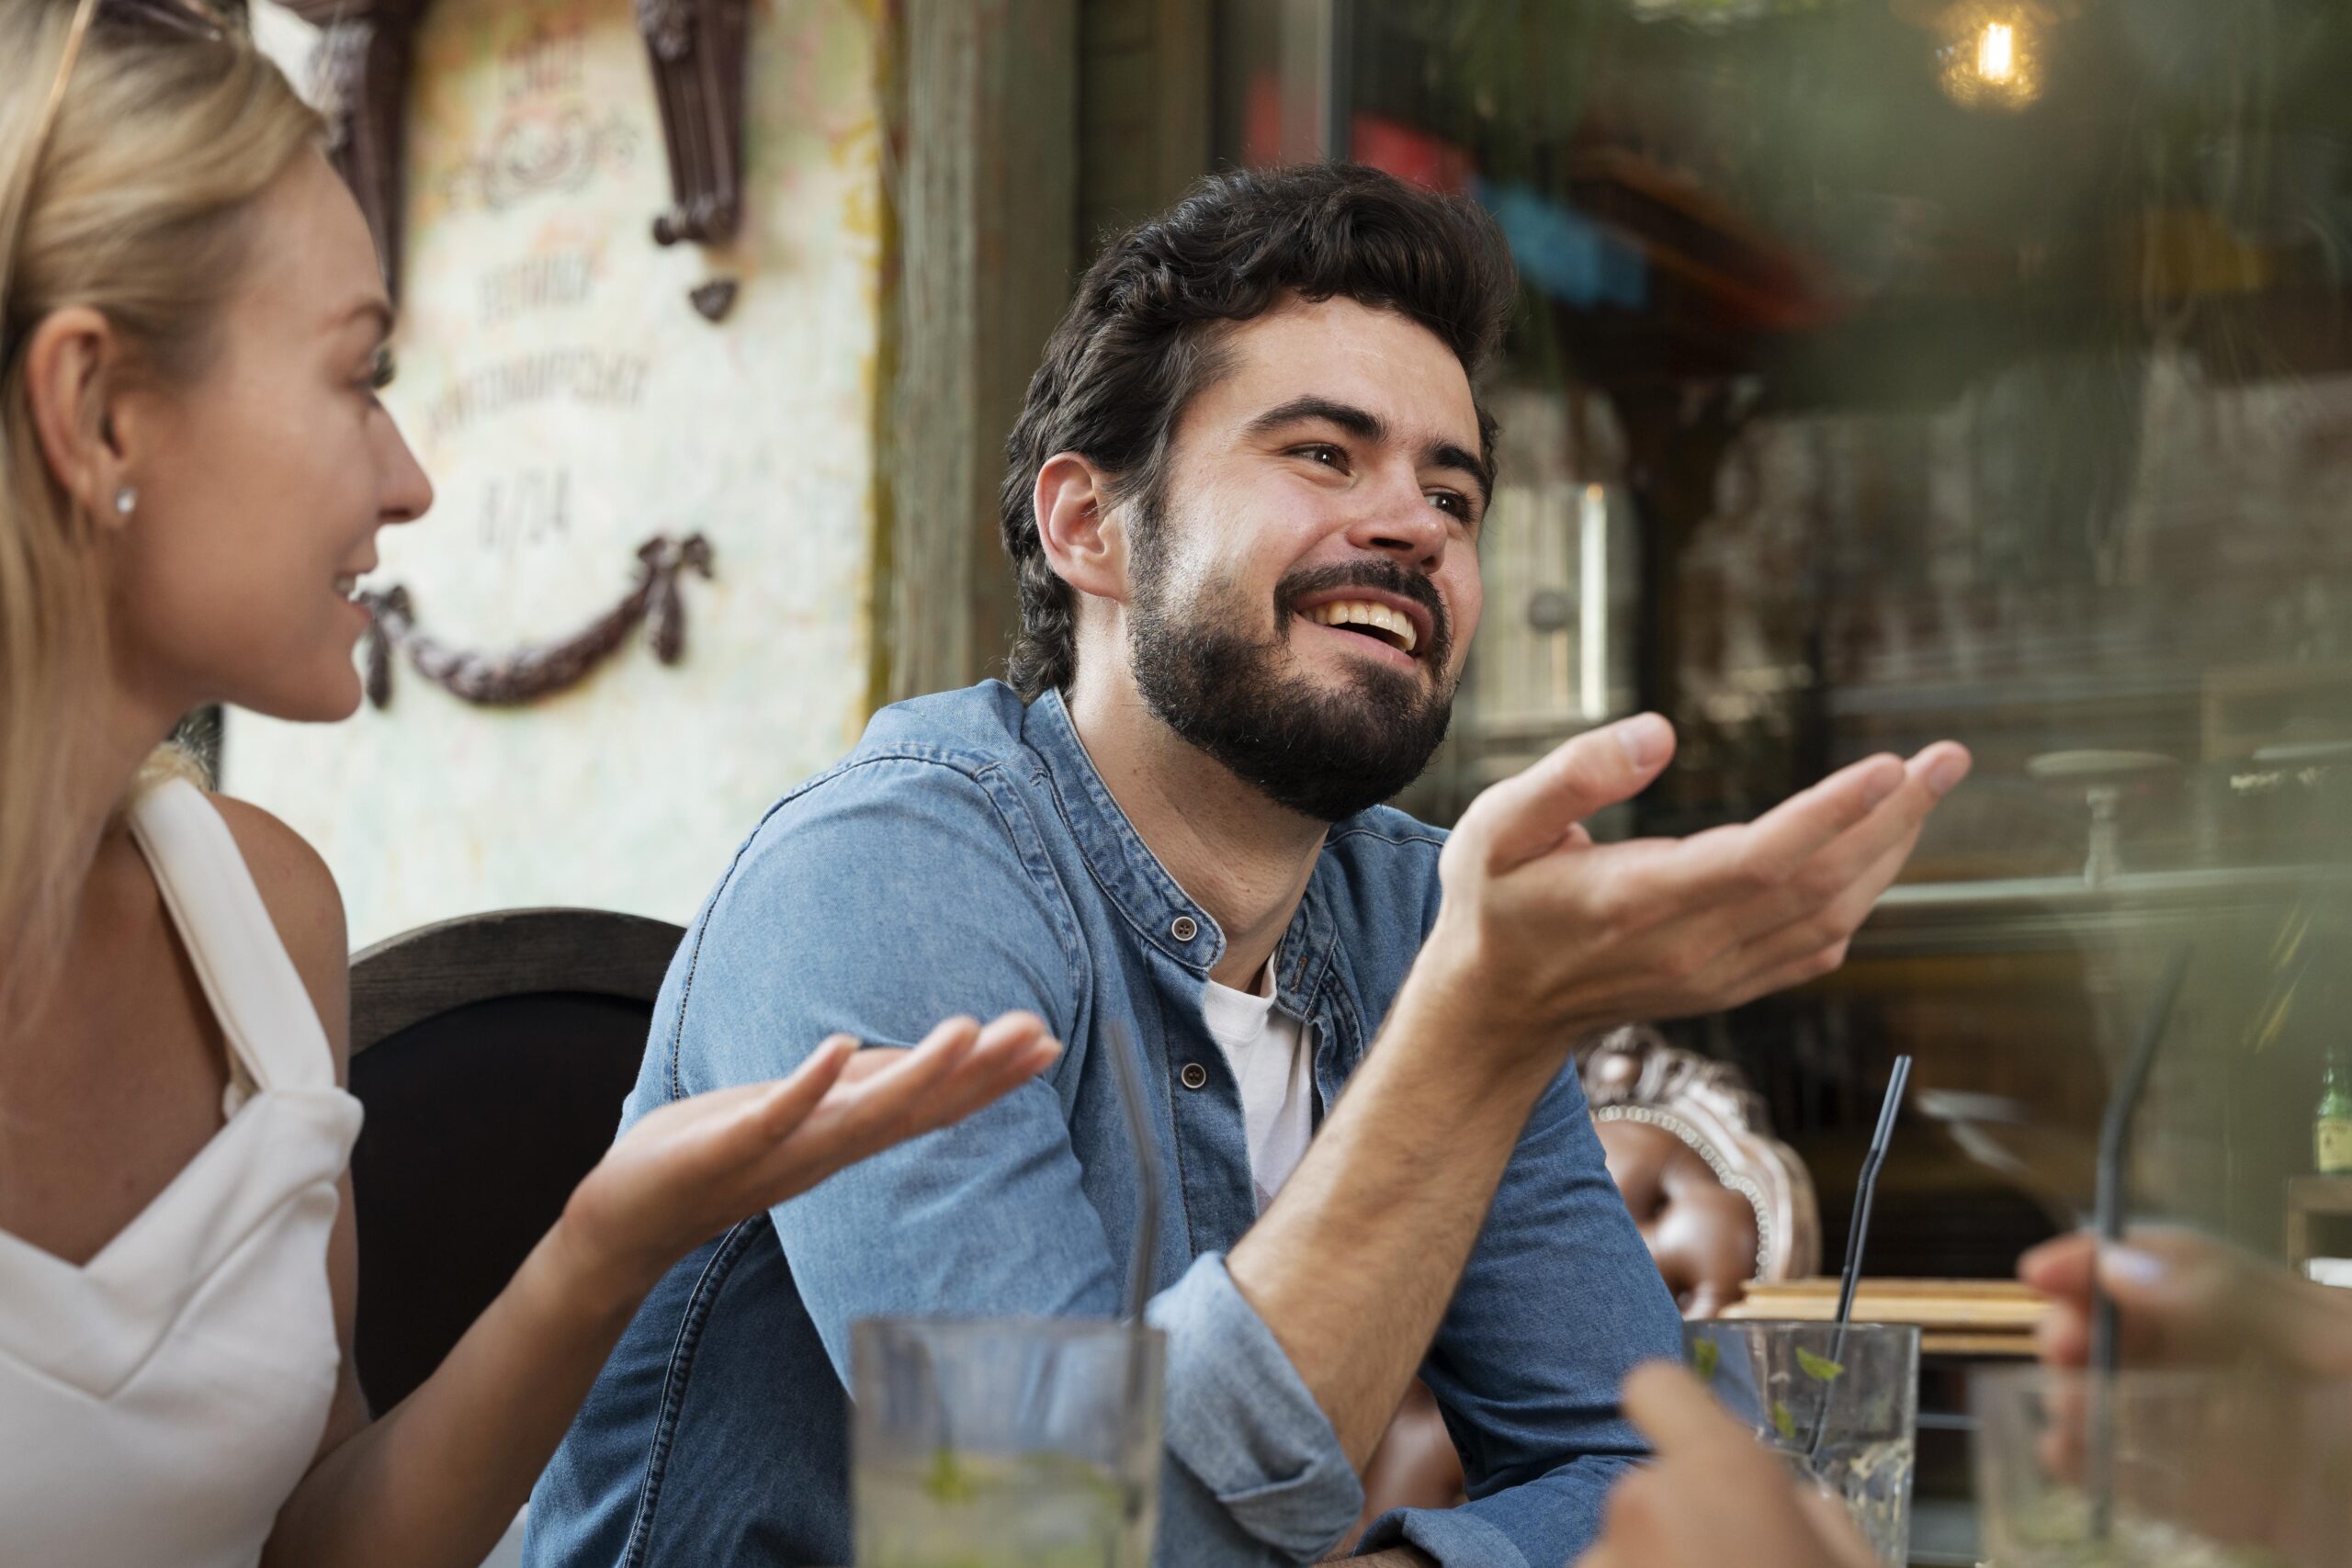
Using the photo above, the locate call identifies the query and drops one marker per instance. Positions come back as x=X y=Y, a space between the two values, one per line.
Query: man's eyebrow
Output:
x=1446 y=455
x=1361 y=424
x=1365 y=425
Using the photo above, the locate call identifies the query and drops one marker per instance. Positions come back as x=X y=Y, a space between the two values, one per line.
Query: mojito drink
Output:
x=1006 y=1443
x=988 y=1511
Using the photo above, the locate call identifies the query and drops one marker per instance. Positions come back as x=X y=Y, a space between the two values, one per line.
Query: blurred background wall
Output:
x=570 y=403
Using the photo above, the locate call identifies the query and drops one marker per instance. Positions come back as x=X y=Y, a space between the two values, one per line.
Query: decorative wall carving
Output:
x=696 y=48
x=527 y=674
x=360 y=73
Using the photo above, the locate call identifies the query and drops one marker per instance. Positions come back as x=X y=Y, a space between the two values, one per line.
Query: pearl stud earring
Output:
x=125 y=500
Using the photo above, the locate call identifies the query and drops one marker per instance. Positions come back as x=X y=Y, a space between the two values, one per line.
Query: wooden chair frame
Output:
x=433 y=969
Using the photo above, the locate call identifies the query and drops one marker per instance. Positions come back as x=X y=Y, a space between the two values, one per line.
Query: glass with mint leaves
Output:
x=1005 y=1443
x=1841 y=1402
x=2223 y=1466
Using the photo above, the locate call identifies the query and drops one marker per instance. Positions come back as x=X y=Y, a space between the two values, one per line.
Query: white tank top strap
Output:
x=161 y=1401
x=272 y=1029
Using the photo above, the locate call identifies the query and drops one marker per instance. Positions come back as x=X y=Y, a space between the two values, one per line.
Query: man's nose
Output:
x=1399 y=521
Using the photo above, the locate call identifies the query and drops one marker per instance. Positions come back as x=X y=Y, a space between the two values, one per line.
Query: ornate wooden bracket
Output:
x=360 y=71
x=697 y=50
x=527 y=674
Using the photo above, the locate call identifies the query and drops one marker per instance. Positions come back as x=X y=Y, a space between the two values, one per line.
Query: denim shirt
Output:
x=967 y=858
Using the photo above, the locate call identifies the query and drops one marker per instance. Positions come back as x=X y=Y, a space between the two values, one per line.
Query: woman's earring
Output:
x=125 y=500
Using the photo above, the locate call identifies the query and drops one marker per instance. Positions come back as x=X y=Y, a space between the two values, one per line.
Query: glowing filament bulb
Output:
x=1996 y=52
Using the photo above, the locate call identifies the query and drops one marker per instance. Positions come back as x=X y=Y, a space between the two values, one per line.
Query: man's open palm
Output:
x=1581 y=935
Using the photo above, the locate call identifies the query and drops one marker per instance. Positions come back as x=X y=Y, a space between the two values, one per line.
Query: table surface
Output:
x=1960 y=1317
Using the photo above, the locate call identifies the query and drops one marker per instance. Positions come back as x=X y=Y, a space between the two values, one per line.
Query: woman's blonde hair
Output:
x=126 y=192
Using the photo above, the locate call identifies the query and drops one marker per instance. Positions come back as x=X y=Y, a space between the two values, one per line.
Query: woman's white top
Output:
x=159 y=1402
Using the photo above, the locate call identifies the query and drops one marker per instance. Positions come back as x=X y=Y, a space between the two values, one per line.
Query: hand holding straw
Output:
x=2114 y=1153
x=1858 y=1233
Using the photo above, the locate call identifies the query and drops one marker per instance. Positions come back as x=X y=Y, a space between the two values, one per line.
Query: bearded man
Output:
x=1243 y=503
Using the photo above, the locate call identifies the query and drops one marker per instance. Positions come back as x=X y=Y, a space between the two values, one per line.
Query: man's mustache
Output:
x=1384 y=575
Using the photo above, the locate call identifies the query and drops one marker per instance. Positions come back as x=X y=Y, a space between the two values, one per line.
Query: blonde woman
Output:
x=196 y=467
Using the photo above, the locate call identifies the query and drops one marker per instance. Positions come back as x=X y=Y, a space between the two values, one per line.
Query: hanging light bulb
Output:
x=1996 y=53
x=1990 y=52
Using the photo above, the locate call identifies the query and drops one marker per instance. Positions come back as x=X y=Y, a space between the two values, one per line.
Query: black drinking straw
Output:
x=2114 y=1151
x=1858 y=1233
x=1143 y=1253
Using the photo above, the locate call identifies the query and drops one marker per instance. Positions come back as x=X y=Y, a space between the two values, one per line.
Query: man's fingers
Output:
x=1785 y=892
x=1677 y=1414
x=1872 y=853
x=1784 y=952
x=1530 y=813
x=1778 y=842
x=1746 y=872
x=1851 y=819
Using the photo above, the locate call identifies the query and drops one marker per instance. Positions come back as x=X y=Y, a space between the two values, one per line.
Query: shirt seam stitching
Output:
x=700 y=1303
x=839 y=771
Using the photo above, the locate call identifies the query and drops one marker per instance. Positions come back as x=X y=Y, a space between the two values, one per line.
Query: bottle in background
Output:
x=2332 y=1122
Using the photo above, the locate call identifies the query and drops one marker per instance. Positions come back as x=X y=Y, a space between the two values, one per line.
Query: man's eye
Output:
x=1449 y=502
x=1324 y=453
x=381 y=368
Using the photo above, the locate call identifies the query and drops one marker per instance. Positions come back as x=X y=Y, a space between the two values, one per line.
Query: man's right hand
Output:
x=1545 y=935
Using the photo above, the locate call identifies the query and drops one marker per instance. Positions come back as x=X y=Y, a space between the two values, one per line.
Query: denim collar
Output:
x=1141 y=888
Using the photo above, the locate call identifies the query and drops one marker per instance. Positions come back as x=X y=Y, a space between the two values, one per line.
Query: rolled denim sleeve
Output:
x=1245 y=1426
x=1560 y=1301
x=893 y=894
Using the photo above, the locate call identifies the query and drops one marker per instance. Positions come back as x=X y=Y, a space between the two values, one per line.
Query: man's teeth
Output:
x=1357 y=613
x=347 y=584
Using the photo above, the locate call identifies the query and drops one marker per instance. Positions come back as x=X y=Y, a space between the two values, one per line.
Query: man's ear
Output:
x=69 y=367
x=1079 y=526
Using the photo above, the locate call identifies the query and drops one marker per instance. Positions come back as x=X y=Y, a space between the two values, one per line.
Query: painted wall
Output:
x=569 y=403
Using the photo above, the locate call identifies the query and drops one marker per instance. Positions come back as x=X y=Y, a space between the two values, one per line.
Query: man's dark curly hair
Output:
x=1143 y=336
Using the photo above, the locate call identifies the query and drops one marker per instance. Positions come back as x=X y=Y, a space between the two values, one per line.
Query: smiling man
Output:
x=1243 y=503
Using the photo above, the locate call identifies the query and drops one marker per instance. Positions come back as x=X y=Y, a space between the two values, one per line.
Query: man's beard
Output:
x=1321 y=752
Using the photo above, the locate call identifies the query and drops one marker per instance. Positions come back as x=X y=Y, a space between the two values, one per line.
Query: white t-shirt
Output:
x=1266 y=1049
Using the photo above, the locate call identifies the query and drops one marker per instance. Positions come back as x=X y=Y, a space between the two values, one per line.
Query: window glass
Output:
x=1898 y=370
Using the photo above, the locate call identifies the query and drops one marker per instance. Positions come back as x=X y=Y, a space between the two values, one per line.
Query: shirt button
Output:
x=1194 y=1076
x=1185 y=929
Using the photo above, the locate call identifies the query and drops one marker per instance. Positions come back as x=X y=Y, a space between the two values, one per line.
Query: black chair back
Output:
x=493 y=1053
